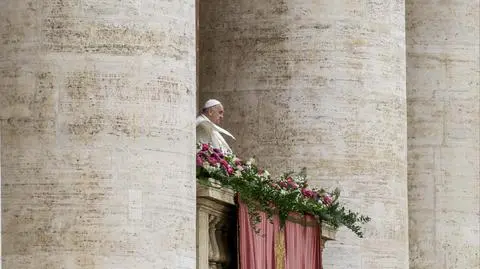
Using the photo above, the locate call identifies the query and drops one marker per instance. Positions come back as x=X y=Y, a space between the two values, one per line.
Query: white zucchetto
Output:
x=210 y=103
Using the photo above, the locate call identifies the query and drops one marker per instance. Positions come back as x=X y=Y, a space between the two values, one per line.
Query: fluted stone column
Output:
x=443 y=89
x=319 y=84
x=97 y=103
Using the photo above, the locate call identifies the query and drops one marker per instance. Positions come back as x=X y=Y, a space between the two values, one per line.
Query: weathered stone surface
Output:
x=443 y=91
x=216 y=228
x=97 y=103
x=319 y=84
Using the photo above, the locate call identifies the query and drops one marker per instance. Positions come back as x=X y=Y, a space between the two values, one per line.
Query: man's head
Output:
x=213 y=109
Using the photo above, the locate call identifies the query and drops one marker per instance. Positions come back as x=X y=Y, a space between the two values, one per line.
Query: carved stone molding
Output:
x=215 y=227
x=328 y=234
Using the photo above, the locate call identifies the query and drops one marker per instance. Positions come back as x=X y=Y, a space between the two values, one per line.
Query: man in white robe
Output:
x=208 y=130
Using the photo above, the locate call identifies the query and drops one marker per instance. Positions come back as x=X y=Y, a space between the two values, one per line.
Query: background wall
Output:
x=319 y=84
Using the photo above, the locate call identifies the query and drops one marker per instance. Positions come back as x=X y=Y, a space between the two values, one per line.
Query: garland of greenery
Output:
x=283 y=197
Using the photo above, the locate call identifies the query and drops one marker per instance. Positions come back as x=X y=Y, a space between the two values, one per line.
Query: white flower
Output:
x=211 y=169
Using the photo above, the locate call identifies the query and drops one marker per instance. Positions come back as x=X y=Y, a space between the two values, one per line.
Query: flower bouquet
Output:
x=290 y=194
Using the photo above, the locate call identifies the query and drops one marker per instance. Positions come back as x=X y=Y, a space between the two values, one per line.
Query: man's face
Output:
x=215 y=114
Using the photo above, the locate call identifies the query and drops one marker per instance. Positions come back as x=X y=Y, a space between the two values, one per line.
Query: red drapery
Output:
x=296 y=246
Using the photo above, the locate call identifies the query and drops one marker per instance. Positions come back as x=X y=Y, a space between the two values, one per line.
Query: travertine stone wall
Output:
x=443 y=89
x=319 y=84
x=97 y=103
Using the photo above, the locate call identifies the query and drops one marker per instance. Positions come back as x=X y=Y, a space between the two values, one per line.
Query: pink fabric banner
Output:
x=257 y=250
x=303 y=245
x=297 y=246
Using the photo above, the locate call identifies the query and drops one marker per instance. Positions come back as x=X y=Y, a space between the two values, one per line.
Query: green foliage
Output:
x=282 y=197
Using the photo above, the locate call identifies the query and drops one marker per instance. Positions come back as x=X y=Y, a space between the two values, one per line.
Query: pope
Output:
x=208 y=129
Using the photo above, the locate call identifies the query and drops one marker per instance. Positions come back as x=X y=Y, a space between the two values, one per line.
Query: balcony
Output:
x=217 y=228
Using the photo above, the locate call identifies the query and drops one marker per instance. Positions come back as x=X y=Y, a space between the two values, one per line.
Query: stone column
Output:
x=97 y=104
x=319 y=84
x=443 y=90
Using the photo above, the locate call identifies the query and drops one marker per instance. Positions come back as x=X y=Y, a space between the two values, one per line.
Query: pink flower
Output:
x=307 y=193
x=229 y=170
x=212 y=161
x=327 y=199
x=205 y=147
x=224 y=163
x=238 y=162
x=199 y=161
x=292 y=184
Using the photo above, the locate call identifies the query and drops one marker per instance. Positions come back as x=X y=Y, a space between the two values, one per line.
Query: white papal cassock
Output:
x=209 y=132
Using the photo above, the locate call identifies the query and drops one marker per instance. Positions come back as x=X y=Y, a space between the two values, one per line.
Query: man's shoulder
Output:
x=203 y=122
x=203 y=126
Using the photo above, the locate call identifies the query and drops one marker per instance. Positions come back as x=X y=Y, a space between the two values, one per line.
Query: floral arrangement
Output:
x=285 y=196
